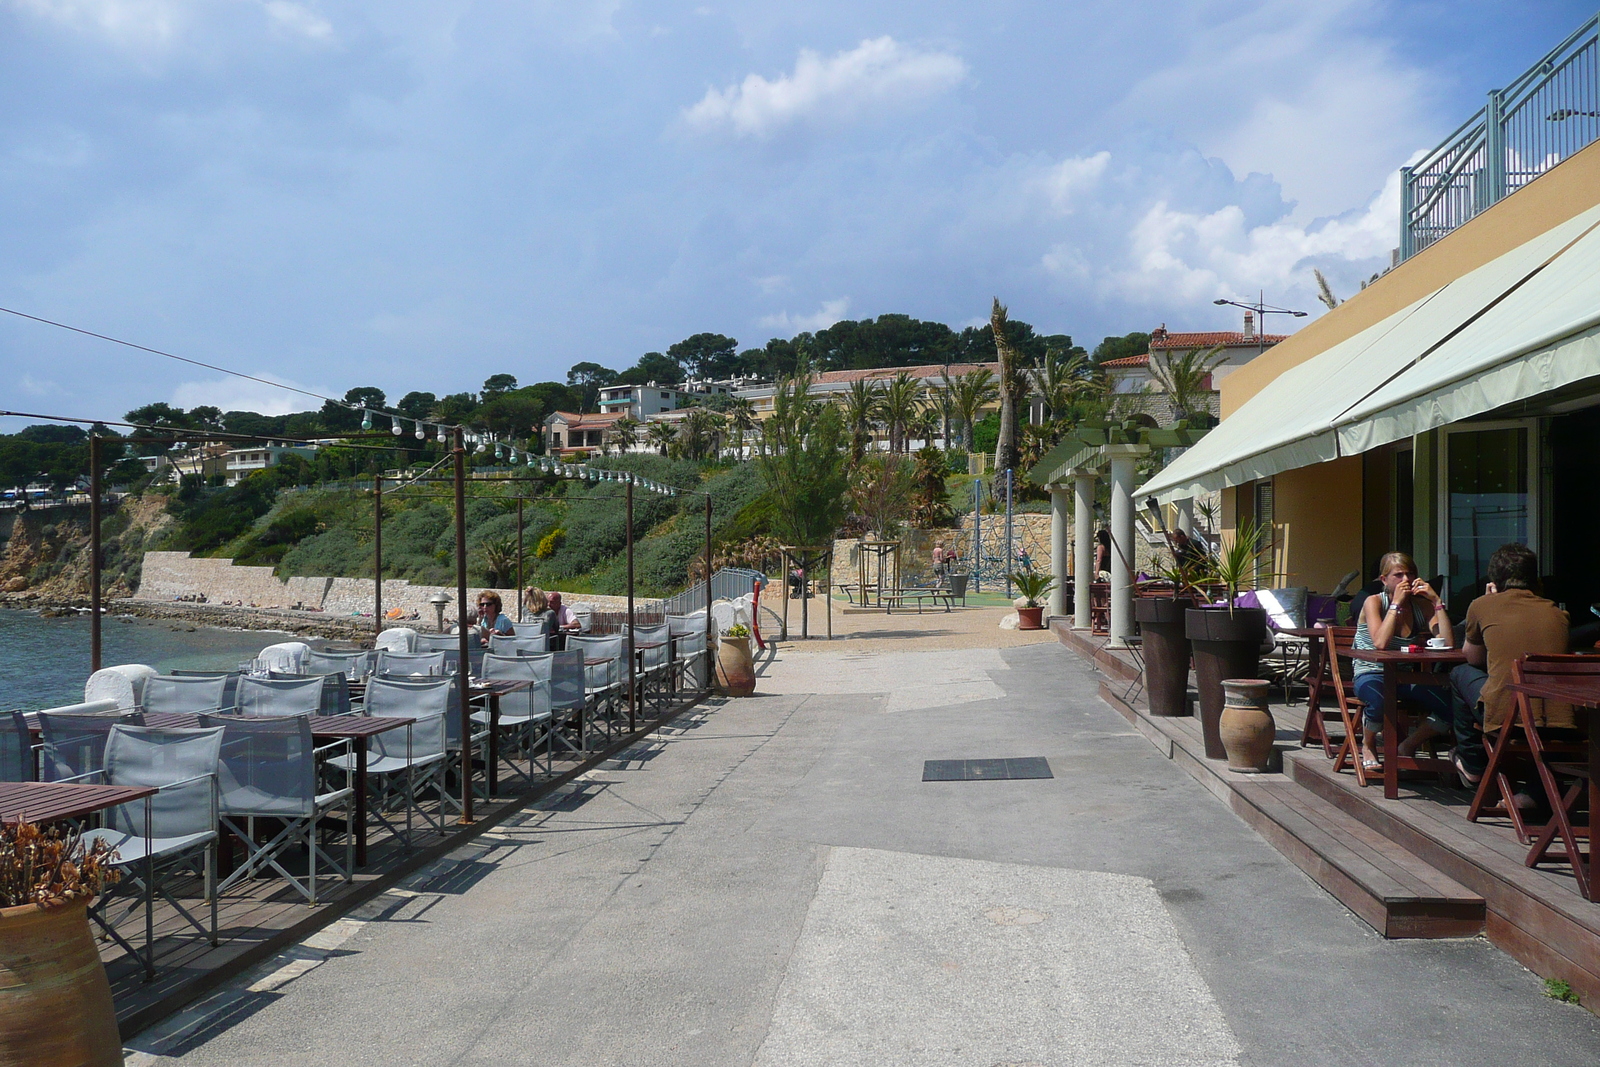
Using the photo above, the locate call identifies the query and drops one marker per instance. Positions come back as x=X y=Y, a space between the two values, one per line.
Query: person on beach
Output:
x=1407 y=611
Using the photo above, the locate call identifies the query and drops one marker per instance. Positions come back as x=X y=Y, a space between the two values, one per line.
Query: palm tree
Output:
x=973 y=390
x=925 y=427
x=697 y=434
x=862 y=404
x=661 y=435
x=625 y=434
x=741 y=416
x=1063 y=379
x=1186 y=380
x=1006 y=456
x=902 y=397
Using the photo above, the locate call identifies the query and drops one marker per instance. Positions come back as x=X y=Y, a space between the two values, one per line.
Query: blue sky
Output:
x=419 y=195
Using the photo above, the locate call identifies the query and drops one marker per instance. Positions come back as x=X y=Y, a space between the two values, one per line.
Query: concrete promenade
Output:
x=771 y=882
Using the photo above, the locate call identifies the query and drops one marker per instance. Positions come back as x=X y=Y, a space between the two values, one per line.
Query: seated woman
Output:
x=540 y=619
x=1407 y=611
x=491 y=619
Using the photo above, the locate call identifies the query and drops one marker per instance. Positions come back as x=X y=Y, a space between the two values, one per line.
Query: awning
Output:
x=1522 y=324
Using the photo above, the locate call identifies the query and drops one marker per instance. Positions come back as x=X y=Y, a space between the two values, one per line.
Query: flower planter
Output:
x=736 y=675
x=1166 y=653
x=1030 y=618
x=1227 y=644
x=1246 y=726
x=55 y=1001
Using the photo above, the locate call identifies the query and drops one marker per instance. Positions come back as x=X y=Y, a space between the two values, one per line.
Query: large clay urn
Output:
x=736 y=674
x=1227 y=644
x=1246 y=725
x=55 y=1002
x=1166 y=653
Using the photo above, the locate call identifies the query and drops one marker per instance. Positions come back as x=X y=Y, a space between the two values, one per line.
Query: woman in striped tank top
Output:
x=1408 y=611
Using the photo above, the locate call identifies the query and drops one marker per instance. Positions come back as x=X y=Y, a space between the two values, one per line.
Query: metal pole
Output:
x=464 y=670
x=94 y=552
x=1008 y=533
x=805 y=592
x=711 y=671
x=977 y=535
x=520 y=597
x=377 y=554
x=633 y=652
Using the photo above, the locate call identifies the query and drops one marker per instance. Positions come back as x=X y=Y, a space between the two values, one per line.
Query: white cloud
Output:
x=37 y=386
x=299 y=19
x=1070 y=178
x=877 y=75
x=125 y=22
x=829 y=313
x=1188 y=257
x=238 y=394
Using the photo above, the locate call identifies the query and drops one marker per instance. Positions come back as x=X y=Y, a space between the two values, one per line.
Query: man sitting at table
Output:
x=1509 y=621
x=1406 y=612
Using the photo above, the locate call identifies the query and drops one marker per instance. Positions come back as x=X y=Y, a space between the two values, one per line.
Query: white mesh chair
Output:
x=230 y=691
x=286 y=656
x=689 y=660
x=335 y=690
x=16 y=748
x=267 y=698
x=401 y=764
x=525 y=714
x=269 y=770
x=169 y=835
x=396 y=639
x=723 y=616
x=74 y=738
x=437 y=643
x=185 y=694
x=654 y=664
x=350 y=664
x=605 y=672
x=502 y=645
x=424 y=664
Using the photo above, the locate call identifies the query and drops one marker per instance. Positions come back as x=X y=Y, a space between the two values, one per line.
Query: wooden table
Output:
x=491 y=690
x=1406 y=668
x=41 y=802
x=1584 y=693
x=1316 y=676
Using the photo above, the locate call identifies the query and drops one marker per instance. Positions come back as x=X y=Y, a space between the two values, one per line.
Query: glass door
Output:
x=1488 y=502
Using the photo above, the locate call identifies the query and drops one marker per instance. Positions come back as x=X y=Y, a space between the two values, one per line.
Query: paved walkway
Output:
x=772 y=883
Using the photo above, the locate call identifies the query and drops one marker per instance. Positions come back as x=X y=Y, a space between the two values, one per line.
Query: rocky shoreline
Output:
x=304 y=623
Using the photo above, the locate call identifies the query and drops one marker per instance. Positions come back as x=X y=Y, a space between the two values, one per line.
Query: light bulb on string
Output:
x=366 y=419
x=443 y=437
x=395 y=428
x=422 y=432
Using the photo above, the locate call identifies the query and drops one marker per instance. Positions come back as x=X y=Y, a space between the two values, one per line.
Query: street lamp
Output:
x=439 y=600
x=1262 y=310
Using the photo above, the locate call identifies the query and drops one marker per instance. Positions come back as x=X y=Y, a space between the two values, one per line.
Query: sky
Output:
x=419 y=195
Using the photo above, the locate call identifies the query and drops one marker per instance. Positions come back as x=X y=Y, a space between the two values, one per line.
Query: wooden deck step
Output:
x=1396 y=893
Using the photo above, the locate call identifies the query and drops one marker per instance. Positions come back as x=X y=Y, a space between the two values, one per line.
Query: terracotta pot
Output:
x=1166 y=653
x=736 y=674
x=1227 y=644
x=1246 y=725
x=55 y=1002
x=1030 y=618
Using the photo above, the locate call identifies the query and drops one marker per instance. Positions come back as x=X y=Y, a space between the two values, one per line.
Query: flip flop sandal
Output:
x=1370 y=765
x=1468 y=779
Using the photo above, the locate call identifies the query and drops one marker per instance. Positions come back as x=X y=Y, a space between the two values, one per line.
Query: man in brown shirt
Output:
x=1506 y=623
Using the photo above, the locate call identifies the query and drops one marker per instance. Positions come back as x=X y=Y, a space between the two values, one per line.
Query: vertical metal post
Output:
x=1009 y=542
x=977 y=535
x=521 y=599
x=465 y=668
x=805 y=592
x=1494 y=152
x=1408 y=204
x=711 y=671
x=630 y=644
x=377 y=555
x=94 y=551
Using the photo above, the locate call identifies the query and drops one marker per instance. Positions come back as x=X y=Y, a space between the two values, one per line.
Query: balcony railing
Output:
x=1549 y=113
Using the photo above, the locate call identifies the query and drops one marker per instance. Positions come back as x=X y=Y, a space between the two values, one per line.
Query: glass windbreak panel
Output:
x=1489 y=505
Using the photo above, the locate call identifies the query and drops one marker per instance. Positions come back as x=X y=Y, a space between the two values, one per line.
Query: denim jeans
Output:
x=1432 y=699
x=1466 y=682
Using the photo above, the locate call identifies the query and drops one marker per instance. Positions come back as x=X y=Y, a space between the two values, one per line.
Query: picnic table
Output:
x=1580 y=692
x=1406 y=668
x=900 y=596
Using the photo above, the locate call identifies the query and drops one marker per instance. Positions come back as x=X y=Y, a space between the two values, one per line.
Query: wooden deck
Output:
x=1412 y=867
x=261 y=918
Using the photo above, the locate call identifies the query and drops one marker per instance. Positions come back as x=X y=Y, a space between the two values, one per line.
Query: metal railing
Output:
x=1549 y=113
x=729 y=583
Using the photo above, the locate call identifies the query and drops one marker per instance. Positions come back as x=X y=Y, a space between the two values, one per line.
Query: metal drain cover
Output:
x=985 y=770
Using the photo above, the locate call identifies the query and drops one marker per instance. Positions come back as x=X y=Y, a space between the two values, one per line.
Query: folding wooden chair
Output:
x=1315 y=730
x=1519 y=740
x=1339 y=639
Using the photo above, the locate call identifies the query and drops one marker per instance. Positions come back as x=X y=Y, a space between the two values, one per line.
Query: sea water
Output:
x=44 y=662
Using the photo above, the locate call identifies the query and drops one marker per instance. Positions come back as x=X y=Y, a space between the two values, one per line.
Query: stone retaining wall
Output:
x=170 y=576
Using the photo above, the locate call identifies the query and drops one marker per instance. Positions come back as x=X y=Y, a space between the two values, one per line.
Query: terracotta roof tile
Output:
x=1214 y=337
x=1129 y=361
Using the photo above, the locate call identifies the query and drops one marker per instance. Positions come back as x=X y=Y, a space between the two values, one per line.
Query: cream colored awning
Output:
x=1520 y=325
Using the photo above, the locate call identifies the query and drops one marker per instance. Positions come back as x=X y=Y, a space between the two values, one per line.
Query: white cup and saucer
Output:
x=1438 y=644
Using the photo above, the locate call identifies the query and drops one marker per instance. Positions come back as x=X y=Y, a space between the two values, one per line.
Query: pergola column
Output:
x=1058 y=549
x=1083 y=546
x=1122 y=459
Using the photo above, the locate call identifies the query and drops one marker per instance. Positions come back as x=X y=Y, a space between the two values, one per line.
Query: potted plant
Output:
x=736 y=674
x=55 y=1001
x=1226 y=638
x=1032 y=585
x=1162 y=624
